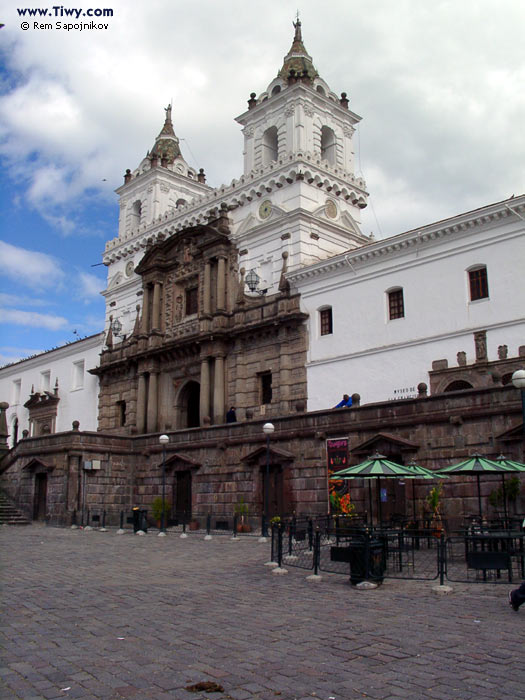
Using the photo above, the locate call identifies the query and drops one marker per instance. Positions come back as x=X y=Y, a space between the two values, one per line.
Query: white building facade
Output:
x=380 y=313
x=47 y=392
x=450 y=293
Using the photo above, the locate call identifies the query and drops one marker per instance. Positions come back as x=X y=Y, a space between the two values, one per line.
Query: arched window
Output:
x=270 y=145
x=458 y=385
x=136 y=213
x=328 y=145
x=276 y=90
x=320 y=90
x=478 y=283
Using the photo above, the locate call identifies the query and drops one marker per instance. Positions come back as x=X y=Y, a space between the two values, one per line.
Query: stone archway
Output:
x=189 y=405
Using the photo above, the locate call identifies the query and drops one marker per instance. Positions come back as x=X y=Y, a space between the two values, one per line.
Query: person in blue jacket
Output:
x=346 y=402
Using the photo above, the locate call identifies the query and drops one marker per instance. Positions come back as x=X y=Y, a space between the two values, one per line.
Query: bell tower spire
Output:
x=166 y=147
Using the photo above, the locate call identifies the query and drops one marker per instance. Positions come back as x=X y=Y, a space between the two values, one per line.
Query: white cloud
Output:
x=32 y=319
x=19 y=300
x=34 y=269
x=90 y=286
x=439 y=86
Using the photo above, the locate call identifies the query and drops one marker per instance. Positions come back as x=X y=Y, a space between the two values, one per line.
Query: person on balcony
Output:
x=345 y=402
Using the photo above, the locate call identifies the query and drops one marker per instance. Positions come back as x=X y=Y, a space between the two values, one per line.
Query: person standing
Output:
x=231 y=416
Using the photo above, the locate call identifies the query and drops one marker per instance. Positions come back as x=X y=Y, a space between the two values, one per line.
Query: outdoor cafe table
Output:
x=479 y=544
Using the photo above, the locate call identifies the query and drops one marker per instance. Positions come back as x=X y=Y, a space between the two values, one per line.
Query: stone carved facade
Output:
x=200 y=344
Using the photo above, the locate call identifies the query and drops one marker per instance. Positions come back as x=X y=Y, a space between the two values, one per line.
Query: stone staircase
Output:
x=9 y=514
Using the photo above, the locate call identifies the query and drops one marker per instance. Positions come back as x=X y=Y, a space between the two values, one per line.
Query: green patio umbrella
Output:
x=377 y=467
x=476 y=465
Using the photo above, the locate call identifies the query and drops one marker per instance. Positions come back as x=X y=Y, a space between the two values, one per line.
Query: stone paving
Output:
x=96 y=615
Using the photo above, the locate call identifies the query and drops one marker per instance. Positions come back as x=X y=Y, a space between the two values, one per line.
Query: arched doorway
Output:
x=190 y=405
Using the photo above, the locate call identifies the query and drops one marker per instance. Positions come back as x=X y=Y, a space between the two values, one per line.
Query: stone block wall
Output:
x=227 y=462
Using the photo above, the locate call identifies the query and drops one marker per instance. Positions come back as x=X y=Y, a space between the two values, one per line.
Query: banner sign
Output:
x=337 y=454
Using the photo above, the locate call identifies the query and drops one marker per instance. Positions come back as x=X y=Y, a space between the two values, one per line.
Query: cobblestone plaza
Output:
x=93 y=615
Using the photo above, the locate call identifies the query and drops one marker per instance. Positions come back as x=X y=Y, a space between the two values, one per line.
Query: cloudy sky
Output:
x=439 y=84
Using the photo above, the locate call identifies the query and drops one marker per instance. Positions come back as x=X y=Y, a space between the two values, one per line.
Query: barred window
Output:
x=479 y=285
x=325 y=318
x=396 y=305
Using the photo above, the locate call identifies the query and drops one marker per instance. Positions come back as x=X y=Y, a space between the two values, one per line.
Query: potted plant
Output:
x=241 y=509
x=156 y=510
x=434 y=503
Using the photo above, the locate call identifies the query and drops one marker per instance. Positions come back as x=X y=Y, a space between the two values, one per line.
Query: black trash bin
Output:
x=367 y=560
x=140 y=519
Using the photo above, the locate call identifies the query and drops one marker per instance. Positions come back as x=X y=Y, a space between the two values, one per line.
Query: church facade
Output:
x=264 y=296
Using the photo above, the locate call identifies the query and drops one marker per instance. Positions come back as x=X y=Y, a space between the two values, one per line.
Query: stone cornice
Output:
x=462 y=223
x=296 y=167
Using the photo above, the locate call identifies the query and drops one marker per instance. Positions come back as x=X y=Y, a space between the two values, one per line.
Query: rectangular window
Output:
x=326 y=321
x=479 y=286
x=265 y=387
x=17 y=390
x=396 y=306
x=78 y=374
x=45 y=380
x=121 y=408
x=192 y=301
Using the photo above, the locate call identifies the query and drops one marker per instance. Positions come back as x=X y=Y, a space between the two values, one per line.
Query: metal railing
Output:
x=333 y=546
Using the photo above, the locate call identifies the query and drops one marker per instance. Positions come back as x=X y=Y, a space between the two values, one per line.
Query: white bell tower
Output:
x=303 y=195
x=162 y=184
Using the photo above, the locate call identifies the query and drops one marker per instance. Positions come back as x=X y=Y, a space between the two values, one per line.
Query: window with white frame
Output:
x=326 y=326
x=16 y=391
x=478 y=283
x=396 y=303
x=78 y=374
x=45 y=380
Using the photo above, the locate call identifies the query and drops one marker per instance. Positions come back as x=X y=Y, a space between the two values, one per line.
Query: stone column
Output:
x=218 y=391
x=205 y=390
x=155 y=320
x=145 y=311
x=221 y=284
x=141 y=404
x=207 y=288
x=73 y=482
x=153 y=400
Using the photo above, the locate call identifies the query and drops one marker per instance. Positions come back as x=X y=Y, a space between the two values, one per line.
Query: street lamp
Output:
x=268 y=429
x=252 y=282
x=518 y=379
x=163 y=439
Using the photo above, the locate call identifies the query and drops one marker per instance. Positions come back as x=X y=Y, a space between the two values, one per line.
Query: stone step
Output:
x=9 y=513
